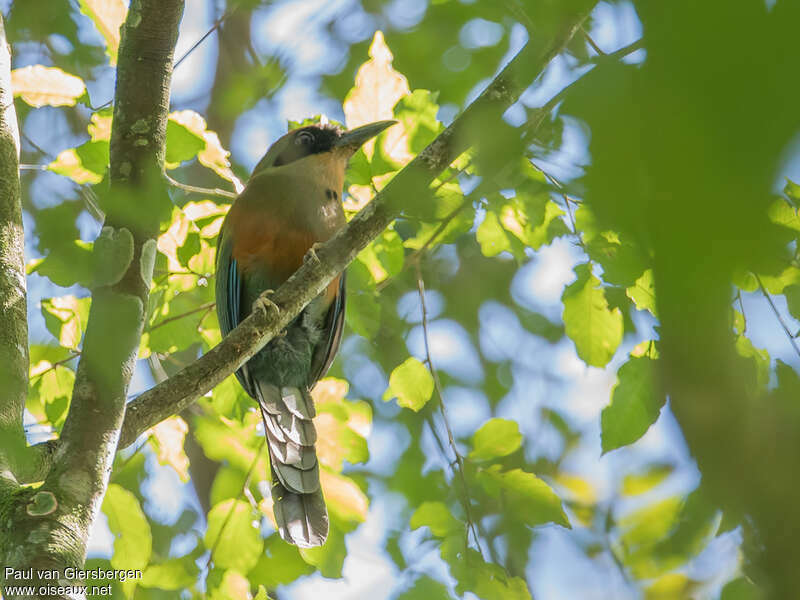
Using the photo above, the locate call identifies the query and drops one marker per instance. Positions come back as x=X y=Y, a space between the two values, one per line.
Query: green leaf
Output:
x=383 y=258
x=190 y=248
x=783 y=213
x=175 y=326
x=262 y=594
x=744 y=347
x=792 y=294
x=417 y=112
x=425 y=588
x=437 y=517
x=279 y=564
x=651 y=523
x=533 y=218
x=232 y=536
x=227 y=585
x=66 y=318
x=636 y=402
x=363 y=312
x=172 y=574
x=527 y=497
x=87 y=163
x=223 y=439
x=411 y=383
x=228 y=483
x=182 y=144
x=638 y=483
x=328 y=558
x=741 y=588
x=111 y=256
x=492 y=237
x=495 y=438
x=486 y=580
x=588 y=322
x=66 y=265
x=643 y=292
x=50 y=392
x=133 y=541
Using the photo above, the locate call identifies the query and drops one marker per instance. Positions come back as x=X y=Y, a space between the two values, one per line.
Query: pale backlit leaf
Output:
x=167 y=438
x=107 y=16
x=377 y=89
x=213 y=156
x=46 y=86
x=343 y=497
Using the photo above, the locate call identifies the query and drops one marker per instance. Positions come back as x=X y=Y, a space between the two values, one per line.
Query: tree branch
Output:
x=407 y=191
x=50 y=525
x=14 y=322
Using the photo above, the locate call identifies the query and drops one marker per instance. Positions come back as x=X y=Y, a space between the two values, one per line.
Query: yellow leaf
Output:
x=344 y=497
x=579 y=488
x=673 y=586
x=68 y=163
x=330 y=452
x=333 y=391
x=267 y=508
x=39 y=86
x=329 y=389
x=377 y=89
x=100 y=127
x=68 y=310
x=358 y=196
x=213 y=156
x=167 y=437
x=173 y=238
x=108 y=16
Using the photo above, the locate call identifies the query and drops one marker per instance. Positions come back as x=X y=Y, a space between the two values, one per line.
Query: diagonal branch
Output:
x=407 y=191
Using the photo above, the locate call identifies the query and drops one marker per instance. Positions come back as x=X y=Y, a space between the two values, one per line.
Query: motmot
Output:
x=291 y=202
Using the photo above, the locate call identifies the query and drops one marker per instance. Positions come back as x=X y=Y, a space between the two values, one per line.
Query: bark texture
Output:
x=14 y=322
x=48 y=528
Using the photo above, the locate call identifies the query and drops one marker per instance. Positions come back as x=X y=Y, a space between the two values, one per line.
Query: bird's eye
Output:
x=304 y=138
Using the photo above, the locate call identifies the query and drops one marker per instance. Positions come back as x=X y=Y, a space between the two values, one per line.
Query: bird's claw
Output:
x=264 y=303
x=312 y=253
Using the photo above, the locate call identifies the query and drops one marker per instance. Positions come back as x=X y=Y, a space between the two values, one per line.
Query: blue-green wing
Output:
x=229 y=296
x=326 y=350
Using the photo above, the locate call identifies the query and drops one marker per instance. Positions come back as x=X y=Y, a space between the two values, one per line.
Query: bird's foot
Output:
x=312 y=253
x=264 y=303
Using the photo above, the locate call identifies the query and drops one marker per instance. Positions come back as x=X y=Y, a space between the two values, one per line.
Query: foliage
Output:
x=487 y=495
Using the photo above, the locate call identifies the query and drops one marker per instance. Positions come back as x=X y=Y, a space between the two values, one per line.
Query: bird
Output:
x=291 y=203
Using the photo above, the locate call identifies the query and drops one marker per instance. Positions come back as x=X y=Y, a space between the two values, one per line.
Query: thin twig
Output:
x=214 y=27
x=741 y=308
x=59 y=363
x=567 y=200
x=193 y=189
x=233 y=506
x=36 y=146
x=438 y=386
x=540 y=113
x=203 y=307
x=592 y=43
x=778 y=316
x=622 y=52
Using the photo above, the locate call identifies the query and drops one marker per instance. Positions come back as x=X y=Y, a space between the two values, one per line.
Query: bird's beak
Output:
x=354 y=138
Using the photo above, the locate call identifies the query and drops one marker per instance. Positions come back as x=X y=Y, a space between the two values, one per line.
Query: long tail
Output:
x=299 y=506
